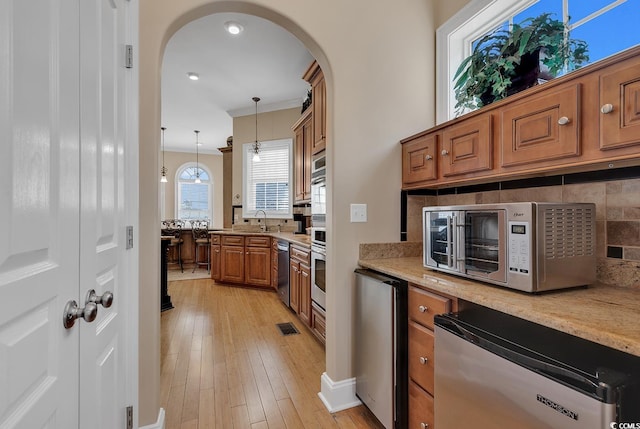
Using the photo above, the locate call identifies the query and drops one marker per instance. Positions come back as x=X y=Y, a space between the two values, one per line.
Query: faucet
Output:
x=263 y=227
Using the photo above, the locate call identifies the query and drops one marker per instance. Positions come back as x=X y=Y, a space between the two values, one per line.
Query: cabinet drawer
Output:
x=215 y=239
x=232 y=240
x=421 y=363
x=300 y=254
x=423 y=306
x=420 y=408
x=318 y=324
x=257 y=241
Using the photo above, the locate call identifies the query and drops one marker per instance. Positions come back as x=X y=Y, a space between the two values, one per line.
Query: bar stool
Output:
x=201 y=238
x=173 y=228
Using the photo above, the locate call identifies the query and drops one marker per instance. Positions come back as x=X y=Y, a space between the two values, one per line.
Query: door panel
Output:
x=39 y=174
x=102 y=216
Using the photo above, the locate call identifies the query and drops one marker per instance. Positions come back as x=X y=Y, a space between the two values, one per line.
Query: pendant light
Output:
x=197 y=165
x=163 y=172
x=256 y=145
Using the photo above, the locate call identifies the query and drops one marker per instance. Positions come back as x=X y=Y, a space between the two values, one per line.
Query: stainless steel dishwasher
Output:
x=380 y=341
x=493 y=370
x=283 y=272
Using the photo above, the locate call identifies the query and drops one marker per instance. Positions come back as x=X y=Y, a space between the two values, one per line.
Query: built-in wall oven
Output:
x=318 y=229
x=318 y=266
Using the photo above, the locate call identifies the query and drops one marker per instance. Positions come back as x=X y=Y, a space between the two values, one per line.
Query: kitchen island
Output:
x=600 y=313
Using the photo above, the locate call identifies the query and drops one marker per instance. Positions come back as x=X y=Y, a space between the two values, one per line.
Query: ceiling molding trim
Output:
x=264 y=108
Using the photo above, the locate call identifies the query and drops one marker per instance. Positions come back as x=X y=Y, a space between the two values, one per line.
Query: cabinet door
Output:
x=305 y=294
x=319 y=113
x=294 y=285
x=541 y=128
x=421 y=363
x=232 y=264
x=298 y=164
x=215 y=263
x=620 y=107
x=318 y=322
x=419 y=160
x=257 y=266
x=307 y=131
x=467 y=147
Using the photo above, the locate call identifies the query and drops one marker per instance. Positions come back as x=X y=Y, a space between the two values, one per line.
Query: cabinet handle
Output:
x=423 y=360
x=424 y=425
x=444 y=152
x=422 y=309
x=428 y=157
x=606 y=108
x=563 y=120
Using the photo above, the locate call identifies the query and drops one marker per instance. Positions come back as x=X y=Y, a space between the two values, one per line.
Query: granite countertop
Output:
x=299 y=239
x=604 y=314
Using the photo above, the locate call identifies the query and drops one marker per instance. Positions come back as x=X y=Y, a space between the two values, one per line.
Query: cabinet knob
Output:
x=422 y=309
x=444 y=152
x=428 y=157
x=424 y=425
x=606 y=108
x=423 y=360
x=563 y=120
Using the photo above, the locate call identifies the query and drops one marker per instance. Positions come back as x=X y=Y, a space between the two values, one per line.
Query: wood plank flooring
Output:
x=225 y=364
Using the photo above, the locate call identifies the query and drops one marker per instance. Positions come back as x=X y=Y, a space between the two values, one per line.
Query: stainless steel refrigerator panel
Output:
x=374 y=345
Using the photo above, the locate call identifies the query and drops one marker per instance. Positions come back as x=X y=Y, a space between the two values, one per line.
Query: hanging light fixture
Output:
x=163 y=171
x=197 y=165
x=256 y=145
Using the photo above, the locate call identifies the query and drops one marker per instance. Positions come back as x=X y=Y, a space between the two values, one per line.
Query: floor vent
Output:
x=287 y=328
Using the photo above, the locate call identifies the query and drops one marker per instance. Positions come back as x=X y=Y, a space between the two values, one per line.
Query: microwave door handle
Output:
x=450 y=241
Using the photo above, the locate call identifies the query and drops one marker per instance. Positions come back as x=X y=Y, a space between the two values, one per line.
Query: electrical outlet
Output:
x=358 y=212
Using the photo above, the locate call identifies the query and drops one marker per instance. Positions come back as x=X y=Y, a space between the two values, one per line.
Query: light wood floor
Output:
x=225 y=365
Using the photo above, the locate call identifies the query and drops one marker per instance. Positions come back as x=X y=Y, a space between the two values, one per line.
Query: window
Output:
x=193 y=199
x=592 y=21
x=267 y=182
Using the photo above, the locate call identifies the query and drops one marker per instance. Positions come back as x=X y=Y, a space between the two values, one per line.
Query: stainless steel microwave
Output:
x=532 y=246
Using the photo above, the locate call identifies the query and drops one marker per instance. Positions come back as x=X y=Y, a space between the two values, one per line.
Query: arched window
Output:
x=194 y=200
x=595 y=22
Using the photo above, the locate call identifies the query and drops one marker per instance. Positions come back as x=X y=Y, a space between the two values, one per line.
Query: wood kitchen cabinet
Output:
x=300 y=282
x=242 y=260
x=423 y=305
x=257 y=264
x=274 y=264
x=315 y=77
x=303 y=143
x=419 y=159
x=318 y=322
x=586 y=120
x=216 y=274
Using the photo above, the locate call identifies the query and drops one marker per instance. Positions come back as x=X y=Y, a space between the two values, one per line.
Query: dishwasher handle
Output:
x=599 y=390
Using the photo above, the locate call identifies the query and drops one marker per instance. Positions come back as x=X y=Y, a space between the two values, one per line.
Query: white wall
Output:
x=378 y=61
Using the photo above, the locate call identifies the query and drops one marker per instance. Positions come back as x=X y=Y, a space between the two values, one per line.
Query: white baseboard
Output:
x=158 y=424
x=338 y=395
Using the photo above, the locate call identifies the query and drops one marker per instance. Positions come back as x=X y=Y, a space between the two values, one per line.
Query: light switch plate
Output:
x=358 y=212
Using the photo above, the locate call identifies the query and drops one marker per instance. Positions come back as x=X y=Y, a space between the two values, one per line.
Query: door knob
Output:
x=422 y=309
x=423 y=360
x=563 y=120
x=73 y=312
x=106 y=299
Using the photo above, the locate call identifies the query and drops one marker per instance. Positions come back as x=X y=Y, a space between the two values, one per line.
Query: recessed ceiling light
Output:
x=193 y=76
x=233 y=27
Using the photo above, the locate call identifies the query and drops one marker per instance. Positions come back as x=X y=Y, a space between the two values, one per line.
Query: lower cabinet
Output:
x=318 y=322
x=423 y=304
x=242 y=260
x=420 y=408
x=300 y=282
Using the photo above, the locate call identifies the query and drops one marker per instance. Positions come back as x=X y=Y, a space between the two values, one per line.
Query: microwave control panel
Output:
x=519 y=250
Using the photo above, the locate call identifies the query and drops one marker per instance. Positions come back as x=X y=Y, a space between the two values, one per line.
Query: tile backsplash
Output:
x=617 y=219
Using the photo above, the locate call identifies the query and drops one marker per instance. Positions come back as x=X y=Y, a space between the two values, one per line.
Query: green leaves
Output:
x=493 y=66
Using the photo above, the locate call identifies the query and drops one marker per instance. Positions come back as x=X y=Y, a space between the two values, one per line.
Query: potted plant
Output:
x=504 y=62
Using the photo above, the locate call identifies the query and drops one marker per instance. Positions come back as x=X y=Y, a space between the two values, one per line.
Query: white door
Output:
x=62 y=212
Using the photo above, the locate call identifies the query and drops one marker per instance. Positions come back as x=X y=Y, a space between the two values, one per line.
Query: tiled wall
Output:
x=617 y=219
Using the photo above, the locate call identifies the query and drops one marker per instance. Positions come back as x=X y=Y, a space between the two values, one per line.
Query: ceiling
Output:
x=264 y=61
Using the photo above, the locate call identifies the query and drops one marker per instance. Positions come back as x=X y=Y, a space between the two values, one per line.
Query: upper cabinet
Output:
x=315 y=77
x=303 y=142
x=584 y=121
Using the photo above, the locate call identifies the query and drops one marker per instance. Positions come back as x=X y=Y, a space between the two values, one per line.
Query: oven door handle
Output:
x=451 y=239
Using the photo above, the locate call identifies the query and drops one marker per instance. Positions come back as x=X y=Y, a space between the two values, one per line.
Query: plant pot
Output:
x=526 y=72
